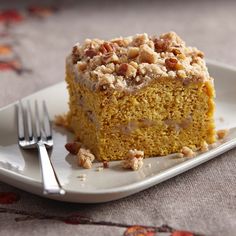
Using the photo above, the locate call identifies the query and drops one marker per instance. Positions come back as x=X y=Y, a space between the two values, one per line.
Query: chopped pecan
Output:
x=161 y=45
x=91 y=53
x=173 y=64
x=126 y=70
x=176 y=51
x=106 y=47
x=73 y=148
x=110 y=57
x=122 y=69
x=105 y=164
x=82 y=66
x=75 y=55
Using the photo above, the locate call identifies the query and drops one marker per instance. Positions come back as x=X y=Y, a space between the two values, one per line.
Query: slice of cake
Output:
x=143 y=92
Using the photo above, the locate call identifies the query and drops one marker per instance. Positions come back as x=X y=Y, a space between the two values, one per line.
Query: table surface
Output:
x=34 y=42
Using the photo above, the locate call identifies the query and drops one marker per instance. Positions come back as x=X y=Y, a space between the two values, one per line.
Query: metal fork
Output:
x=41 y=138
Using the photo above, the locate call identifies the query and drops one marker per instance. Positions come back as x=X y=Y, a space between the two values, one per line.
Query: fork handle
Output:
x=50 y=181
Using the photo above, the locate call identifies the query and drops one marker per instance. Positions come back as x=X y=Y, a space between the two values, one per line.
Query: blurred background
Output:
x=36 y=36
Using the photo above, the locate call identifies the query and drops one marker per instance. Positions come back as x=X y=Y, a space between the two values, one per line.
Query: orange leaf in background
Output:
x=139 y=231
x=41 y=11
x=182 y=233
x=10 y=16
x=5 y=50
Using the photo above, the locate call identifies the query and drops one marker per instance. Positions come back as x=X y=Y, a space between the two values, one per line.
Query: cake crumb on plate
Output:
x=188 y=152
x=85 y=158
x=100 y=168
x=221 y=133
x=134 y=160
x=149 y=165
x=82 y=177
x=204 y=147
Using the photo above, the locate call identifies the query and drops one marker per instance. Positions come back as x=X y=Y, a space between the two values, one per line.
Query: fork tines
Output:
x=42 y=131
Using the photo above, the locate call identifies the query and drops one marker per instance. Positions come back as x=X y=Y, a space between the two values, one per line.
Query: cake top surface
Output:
x=130 y=63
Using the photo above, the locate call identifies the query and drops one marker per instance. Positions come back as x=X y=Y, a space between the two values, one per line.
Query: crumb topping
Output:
x=85 y=158
x=134 y=160
x=130 y=63
x=188 y=152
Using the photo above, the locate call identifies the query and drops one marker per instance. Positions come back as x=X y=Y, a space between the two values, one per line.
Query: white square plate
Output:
x=21 y=168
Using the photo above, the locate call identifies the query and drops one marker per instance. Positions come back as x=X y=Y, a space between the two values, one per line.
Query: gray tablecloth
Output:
x=34 y=42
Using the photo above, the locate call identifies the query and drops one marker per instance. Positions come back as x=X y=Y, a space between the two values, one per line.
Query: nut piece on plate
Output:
x=85 y=158
x=105 y=164
x=222 y=133
x=134 y=160
x=188 y=152
x=204 y=147
x=73 y=148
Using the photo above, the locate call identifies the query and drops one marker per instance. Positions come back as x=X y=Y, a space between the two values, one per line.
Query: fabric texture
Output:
x=34 y=41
